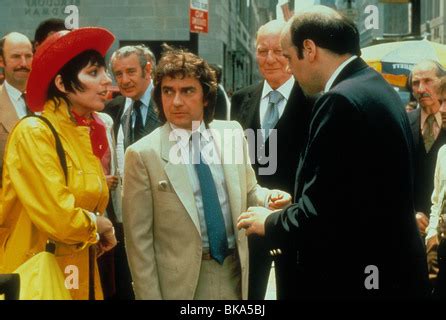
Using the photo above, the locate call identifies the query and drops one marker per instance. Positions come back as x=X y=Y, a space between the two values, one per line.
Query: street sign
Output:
x=198 y=16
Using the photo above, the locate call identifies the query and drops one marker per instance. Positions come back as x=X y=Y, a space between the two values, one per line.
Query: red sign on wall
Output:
x=199 y=16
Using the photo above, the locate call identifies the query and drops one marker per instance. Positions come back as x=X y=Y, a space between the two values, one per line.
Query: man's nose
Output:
x=125 y=78
x=23 y=61
x=270 y=57
x=177 y=100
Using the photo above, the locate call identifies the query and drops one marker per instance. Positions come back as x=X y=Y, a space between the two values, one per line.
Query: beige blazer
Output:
x=161 y=224
x=8 y=119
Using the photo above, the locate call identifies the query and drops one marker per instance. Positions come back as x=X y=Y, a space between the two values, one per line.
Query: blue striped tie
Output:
x=218 y=241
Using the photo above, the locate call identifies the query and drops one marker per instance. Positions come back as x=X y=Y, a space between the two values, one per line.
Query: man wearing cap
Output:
x=252 y=107
x=16 y=56
x=185 y=184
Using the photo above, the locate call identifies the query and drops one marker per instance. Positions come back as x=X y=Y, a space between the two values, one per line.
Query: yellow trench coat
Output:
x=36 y=204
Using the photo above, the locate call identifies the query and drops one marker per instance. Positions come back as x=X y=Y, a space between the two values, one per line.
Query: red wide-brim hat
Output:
x=55 y=52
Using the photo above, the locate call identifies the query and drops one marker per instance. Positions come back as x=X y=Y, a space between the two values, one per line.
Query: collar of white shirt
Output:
x=284 y=89
x=13 y=93
x=337 y=72
x=182 y=136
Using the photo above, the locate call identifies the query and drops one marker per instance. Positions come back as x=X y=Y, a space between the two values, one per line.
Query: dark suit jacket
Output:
x=292 y=129
x=221 y=107
x=354 y=191
x=424 y=163
x=115 y=108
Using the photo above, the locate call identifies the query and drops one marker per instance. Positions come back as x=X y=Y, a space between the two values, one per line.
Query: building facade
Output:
x=230 y=41
x=433 y=20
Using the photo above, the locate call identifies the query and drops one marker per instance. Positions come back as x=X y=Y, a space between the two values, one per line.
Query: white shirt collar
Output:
x=145 y=99
x=182 y=136
x=337 y=72
x=284 y=89
x=14 y=93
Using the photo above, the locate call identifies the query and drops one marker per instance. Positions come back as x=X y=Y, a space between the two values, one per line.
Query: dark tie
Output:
x=428 y=134
x=138 y=129
x=28 y=111
x=218 y=241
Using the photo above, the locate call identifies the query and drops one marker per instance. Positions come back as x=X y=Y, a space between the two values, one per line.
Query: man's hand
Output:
x=278 y=199
x=112 y=182
x=107 y=242
x=422 y=222
x=253 y=220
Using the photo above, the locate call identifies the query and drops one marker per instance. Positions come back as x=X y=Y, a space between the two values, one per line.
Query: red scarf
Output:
x=98 y=134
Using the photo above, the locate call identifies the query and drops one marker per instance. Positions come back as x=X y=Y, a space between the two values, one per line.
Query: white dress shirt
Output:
x=284 y=89
x=207 y=141
x=145 y=99
x=17 y=100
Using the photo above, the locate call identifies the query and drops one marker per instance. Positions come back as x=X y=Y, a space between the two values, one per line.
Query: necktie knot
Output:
x=275 y=97
x=137 y=105
x=430 y=120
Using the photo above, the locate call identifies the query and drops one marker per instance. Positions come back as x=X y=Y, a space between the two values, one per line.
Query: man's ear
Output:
x=59 y=84
x=148 y=69
x=2 y=63
x=309 y=49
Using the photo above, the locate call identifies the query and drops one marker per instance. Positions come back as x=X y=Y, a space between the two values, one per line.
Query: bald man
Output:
x=353 y=218
x=16 y=54
x=253 y=108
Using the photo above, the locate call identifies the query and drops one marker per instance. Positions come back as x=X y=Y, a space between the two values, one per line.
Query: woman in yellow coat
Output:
x=68 y=84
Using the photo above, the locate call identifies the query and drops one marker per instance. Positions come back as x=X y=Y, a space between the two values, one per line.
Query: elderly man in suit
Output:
x=185 y=184
x=353 y=219
x=16 y=55
x=289 y=119
x=428 y=133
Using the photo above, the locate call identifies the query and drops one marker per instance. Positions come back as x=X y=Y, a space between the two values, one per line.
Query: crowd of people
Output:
x=142 y=192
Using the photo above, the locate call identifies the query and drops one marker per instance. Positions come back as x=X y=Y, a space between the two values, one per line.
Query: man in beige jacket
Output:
x=185 y=185
x=16 y=56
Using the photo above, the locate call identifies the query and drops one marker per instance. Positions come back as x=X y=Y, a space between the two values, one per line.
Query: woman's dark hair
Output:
x=179 y=63
x=70 y=72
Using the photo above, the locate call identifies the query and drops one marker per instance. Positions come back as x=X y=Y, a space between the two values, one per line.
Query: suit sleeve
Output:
x=138 y=227
x=257 y=195
x=236 y=101
x=323 y=177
